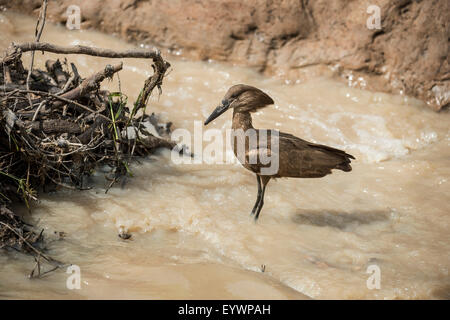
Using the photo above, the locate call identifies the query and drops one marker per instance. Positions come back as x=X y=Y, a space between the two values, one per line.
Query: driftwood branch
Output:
x=160 y=67
x=15 y=50
x=56 y=126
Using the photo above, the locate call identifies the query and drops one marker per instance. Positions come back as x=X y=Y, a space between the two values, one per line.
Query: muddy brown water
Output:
x=192 y=236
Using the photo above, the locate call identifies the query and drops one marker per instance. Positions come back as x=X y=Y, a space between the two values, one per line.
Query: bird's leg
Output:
x=260 y=204
x=265 y=180
x=258 y=197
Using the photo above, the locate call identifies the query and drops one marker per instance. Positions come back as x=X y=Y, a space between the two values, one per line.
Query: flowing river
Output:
x=387 y=222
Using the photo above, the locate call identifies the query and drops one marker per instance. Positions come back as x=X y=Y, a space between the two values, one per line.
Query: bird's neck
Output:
x=242 y=120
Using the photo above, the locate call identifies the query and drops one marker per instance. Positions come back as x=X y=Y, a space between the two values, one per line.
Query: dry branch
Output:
x=15 y=51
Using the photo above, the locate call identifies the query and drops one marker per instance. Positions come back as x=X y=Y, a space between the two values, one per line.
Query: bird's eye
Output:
x=225 y=102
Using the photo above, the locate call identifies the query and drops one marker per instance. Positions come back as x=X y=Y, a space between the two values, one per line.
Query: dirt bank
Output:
x=409 y=54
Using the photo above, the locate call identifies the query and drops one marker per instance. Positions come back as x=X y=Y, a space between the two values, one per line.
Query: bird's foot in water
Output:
x=256 y=216
x=252 y=214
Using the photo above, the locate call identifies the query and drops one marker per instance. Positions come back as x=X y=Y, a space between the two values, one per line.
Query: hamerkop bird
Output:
x=296 y=158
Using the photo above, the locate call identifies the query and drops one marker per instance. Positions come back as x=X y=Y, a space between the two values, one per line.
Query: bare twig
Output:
x=38 y=110
x=38 y=34
x=39 y=253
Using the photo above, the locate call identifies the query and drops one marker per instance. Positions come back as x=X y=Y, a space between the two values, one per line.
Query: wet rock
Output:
x=291 y=38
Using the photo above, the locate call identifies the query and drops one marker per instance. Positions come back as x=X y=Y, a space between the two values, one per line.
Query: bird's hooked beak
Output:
x=218 y=111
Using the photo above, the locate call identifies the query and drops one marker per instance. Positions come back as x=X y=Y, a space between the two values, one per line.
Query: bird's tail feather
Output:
x=344 y=166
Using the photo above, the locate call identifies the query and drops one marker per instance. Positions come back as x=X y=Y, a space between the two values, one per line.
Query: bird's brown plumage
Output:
x=297 y=158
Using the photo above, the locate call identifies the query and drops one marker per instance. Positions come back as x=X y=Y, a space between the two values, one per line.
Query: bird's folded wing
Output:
x=303 y=144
